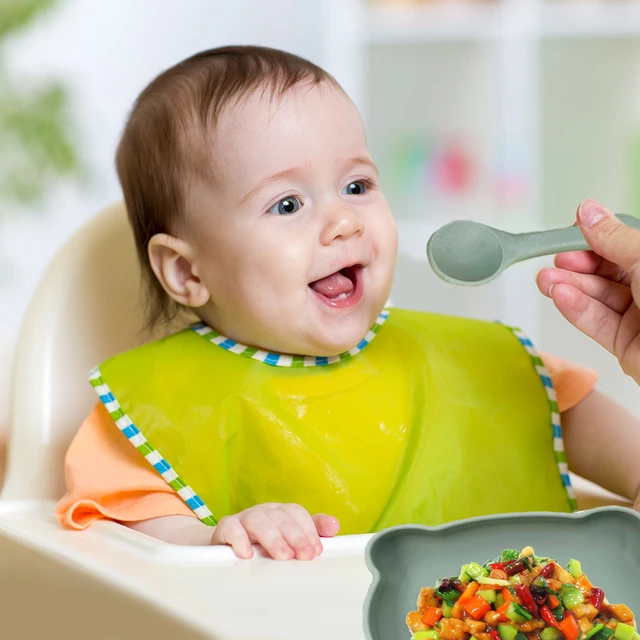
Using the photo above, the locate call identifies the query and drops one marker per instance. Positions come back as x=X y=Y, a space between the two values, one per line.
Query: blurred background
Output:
x=504 y=111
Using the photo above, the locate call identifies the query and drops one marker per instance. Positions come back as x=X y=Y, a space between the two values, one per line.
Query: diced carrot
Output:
x=570 y=628
x=432 y=615
x=502 y=611
x=508 y=596
x=553 y=602
x=584 y=585
x=468 y=593
x=476 y=607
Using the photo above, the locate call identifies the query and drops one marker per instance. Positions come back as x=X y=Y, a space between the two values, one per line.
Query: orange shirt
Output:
x=108 y=478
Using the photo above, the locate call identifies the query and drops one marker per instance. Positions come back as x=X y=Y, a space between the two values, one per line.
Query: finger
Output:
x=590 y=316
x=615 y=296
x=294 y=536
x=627 y=338
x=263 y=530
x=230 y=531
x=301 y=517
x=589 y=262
x=580 y=261
x=608 y=236
x=326 y=526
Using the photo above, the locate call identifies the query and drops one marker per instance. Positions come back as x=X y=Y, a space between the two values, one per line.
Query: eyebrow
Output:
x=295 y=171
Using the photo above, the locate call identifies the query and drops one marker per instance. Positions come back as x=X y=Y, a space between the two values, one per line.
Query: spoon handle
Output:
x=544 y=243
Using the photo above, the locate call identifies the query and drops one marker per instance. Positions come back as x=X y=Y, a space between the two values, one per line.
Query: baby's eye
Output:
x=286 y=206
x=357 y=188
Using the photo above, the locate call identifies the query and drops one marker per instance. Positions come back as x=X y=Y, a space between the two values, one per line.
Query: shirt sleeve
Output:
x=572 y=382
x=107 y=478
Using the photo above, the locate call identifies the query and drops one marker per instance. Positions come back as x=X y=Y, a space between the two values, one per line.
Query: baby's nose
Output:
x=341 y=224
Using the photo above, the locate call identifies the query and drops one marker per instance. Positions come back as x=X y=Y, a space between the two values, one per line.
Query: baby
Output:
x=254 y=202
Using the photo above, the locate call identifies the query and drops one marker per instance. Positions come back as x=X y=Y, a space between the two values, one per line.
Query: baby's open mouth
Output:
x=340 y=285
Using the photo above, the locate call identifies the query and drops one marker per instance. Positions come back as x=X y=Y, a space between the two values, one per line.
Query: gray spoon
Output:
x=470 y=253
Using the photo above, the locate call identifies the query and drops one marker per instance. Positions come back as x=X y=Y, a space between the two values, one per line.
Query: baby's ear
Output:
x=172 y=261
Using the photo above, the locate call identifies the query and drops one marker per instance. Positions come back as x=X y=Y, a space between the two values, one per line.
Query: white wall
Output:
x=106 y=52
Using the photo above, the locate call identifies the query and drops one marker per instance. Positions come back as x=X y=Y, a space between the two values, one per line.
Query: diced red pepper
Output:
x=432 y=615
x=498 y=566
x=495 y=635
x=515 y=566
x=548 y=617
x=596 y=598
x=547 y=570
x=477 y=607
x=570 y=628
x=524 y=593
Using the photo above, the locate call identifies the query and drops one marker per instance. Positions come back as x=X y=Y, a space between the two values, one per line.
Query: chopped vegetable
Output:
x=594 y=630
x=570 y=628
x=550 y=633
x=475 y=571
x=571 y=596
x=431 y=616
x=476 y=607
x=488 y=594
x=468 y=593
x=548 y=617
x=519 y=596
x=517 y=613
x=547 y=570
x=575 y=568
x=624 y=632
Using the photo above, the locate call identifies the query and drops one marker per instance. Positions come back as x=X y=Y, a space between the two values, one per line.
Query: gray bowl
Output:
x=404 y=559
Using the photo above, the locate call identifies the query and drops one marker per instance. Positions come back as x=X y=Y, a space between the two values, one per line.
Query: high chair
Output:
x=110 y=581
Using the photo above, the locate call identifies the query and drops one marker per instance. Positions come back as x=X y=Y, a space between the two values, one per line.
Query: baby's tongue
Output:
x=332 y=286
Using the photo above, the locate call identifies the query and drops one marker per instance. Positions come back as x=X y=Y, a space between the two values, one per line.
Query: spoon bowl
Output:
x=466 y=252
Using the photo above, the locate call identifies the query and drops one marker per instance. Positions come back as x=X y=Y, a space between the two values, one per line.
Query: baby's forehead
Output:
x=307 y=121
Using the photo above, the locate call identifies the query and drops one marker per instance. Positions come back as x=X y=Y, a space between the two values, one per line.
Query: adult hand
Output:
x=598 y=291
x=285 y=531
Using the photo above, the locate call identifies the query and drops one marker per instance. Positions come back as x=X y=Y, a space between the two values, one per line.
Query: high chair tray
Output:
x=110 y=582
x=113 y=582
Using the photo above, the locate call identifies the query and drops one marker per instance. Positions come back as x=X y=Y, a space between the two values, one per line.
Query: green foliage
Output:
x=35 y=130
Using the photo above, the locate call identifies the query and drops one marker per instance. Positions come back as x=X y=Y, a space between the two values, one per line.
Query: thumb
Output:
x=326 y=526
x=608 y=236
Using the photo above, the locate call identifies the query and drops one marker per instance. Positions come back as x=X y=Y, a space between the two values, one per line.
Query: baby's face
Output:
x=295 y=242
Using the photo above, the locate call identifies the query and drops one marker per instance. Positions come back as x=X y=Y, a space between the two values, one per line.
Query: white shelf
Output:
x=589 y=19
x=476 y=21
x=432 y=23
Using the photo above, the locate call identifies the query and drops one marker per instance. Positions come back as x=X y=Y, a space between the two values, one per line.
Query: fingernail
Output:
x=308 y=552
x=590 y=212
x=551 y=290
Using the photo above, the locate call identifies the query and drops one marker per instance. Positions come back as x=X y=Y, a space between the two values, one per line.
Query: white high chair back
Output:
x=86 y=308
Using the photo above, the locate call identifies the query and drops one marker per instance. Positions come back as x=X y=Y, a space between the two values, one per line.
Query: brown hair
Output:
x=164 y=143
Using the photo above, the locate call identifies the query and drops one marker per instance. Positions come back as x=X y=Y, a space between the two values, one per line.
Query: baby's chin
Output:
x=331 y=344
